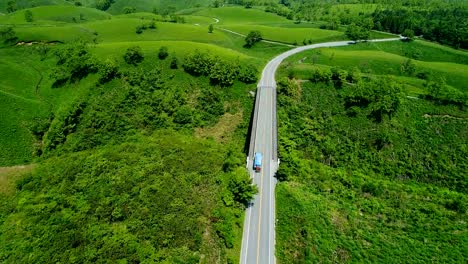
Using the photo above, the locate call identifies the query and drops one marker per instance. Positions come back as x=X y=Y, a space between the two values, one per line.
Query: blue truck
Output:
x=257 y=165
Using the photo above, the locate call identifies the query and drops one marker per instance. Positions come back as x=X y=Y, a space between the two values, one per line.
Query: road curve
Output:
x=258 y=240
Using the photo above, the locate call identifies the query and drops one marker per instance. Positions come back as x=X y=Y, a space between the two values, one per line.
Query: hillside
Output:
x=369 y=146
x=126 y=124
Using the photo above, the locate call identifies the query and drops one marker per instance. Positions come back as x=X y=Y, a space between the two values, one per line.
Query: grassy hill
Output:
x=59 y=13
x=241 y=15
x=290 y=35
x=359 y=188
x=387 y=58
x=130 y=146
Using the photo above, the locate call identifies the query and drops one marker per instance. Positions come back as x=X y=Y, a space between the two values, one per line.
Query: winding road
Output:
x=258 y=240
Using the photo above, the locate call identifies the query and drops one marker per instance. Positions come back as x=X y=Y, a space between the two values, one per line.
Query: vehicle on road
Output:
x=257 y=162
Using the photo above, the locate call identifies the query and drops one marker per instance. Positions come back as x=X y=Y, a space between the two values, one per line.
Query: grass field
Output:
x=59 y=13
x=241 y=15
x=290 y=35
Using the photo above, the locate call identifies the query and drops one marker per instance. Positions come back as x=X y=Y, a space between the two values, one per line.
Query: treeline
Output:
x=447 y=26
x=441 y=21
x=220 y=71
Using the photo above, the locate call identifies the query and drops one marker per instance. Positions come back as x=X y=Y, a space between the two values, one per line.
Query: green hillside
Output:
x=124 y=131
x=59 y=13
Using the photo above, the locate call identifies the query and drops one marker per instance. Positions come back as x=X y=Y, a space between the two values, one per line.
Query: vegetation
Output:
x=128 y=124
x=359 y=157
x=252 y=38
x=133 y=55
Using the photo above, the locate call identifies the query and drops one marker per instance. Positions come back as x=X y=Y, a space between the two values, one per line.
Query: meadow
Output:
x=387 y=59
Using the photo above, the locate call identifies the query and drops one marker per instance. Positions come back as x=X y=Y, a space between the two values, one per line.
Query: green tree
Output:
x=28 y=16
x=152 y=24
x=408 y=67
x=11 y=6
x=252 y=38
x=241 y=187
x=408 y=34
x=248 y=73
x=248 y=3
x=7 y=34
x=355 y=32
x=133 y=55
x=210 y=28
x=174 y=63
x=129 y=10
x=163 y=53
x=216 y=3
x=139 y=29
x=223 y=73
x=103 y=4
x=108 y=71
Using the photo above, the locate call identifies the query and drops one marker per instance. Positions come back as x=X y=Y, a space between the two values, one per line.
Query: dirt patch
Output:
x=223 y=130
x=9 y=175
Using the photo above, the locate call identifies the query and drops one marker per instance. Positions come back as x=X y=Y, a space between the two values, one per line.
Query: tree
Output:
x=248 y=73
x=103 y=4
x=174 y=63
x=28 y=16
x=139 y=29
x=108 y=71
x=355 y=32
x=408 y=67
x=11 y=6
x=248 y=3
x=241 y=186
x=252 y=38
x=152 y=24
x=223 y=73
x=210 y=28
x=129 y=9
x=408 y=34
x=163 y=53
x=216 y=4
x=133 y=55
x=7 y=34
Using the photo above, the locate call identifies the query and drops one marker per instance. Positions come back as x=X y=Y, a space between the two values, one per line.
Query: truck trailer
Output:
x=257 y=162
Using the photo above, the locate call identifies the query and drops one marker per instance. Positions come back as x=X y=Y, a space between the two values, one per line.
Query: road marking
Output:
x=260 y=214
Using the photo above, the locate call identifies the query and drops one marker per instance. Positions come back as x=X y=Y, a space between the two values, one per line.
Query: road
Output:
x=258 y=240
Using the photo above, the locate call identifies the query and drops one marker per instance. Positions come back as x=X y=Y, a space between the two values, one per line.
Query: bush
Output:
x=133 y=55
x=223 y=73
x=163 y=53
x=174 y=63
x=28 y=16
x=108 y=71
x=139 y=29
x=129 y=10
x=74 y=62
x=252 y=38
x=248 y=74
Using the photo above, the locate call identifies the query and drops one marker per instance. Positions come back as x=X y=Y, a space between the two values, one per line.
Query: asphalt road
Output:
x=258 y=240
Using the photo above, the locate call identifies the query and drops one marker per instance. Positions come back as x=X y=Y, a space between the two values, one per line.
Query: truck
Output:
x=257 y=164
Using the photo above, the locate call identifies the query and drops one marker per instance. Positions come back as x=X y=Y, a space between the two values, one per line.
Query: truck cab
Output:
x=257 y=164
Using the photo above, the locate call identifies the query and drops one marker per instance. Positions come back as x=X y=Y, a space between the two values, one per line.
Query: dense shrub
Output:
x=133 y=55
